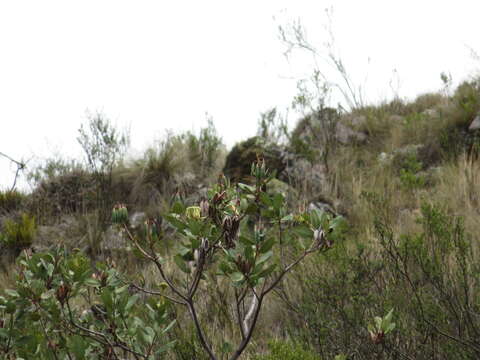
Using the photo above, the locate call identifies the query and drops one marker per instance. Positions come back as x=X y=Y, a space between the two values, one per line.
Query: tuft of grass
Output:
x=11 y=200
x=18 y=235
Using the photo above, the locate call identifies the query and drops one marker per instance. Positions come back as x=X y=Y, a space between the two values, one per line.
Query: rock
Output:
x=358 y=121
x=430 y=113
x=315 y=129
x=396 y=119
x=302 y=174
x=384 y=157
x=345 y=134
x=279 y=187
x=137 y=218
x=475 y=125
x=322 y=207
x=114 y=240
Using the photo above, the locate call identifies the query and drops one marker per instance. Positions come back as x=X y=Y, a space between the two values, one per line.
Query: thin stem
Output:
x=201 y=336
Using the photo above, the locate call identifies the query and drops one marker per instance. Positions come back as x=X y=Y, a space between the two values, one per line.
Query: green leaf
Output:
x=165 y=347
x=107 y=299
x=121 y=289
x=91 y=282
x=169 y=326
x=181 y=264
x=388 y=317
x=287 y=218
x=278 y=201
x=246 y=240
x=267 y=271
x=265 y=199
x=78 y=346
x=225 y=268
x=264 y=257
x=267 y=245
x=176 y=222
x=237 y=276
x=249 y=255
x=316 y=218
x=12 y=293
x=247 y=188
x=389 y=328
x=302 y=231
x=131 y=301
x=178 y=208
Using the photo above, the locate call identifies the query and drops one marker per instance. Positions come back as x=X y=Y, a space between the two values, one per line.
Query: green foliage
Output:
x=62 y=308
x=204 y=149
x=176 y=164
x=273 y=127
x=10 y=200
x=52 y=168
x=381 y=327
x=104 y=147
x=287 y=351
x=467 y=100
x=18 y=235
x=69 y=192
x=428 y=276
x=409 y=172
x=102 y=143
x=240 y=235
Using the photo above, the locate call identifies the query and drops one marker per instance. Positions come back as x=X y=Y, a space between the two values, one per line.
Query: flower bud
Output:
x=193 y=212
x=318 y=237
x=62 y=293
x=204 y=208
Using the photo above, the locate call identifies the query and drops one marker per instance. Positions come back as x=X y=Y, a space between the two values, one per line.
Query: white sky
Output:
x=156 y=65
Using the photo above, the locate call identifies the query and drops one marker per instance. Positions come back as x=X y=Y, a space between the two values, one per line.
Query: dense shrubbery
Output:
x=64 y=307
x=18 y=235
x=10 y=201
x=410 y=192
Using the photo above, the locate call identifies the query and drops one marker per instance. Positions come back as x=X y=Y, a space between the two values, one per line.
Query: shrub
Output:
x=18 y=235
x=71 y=192
x=216 y=241
x=63 y=309
x=287 y=351
x=104 y=147
x=204 y=150
x=409 y=172
x=10 y=200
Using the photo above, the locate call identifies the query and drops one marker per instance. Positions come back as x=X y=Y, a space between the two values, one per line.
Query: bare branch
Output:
x=20 y=166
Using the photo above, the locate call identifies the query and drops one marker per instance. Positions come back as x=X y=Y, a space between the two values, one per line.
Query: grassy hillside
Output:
x=405 y=175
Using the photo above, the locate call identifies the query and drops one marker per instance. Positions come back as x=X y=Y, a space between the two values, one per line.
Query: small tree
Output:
x=104 y=147
x=240 y=233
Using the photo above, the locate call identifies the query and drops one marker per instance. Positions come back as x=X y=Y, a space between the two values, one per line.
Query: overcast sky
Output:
x=156 y=65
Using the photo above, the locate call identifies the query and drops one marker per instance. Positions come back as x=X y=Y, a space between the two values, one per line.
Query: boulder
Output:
x=239 y=160
x=322 y=207
x=302 y=174
x=114 y=240
x=137 y=219
x=329 y=124
x=475 y=124
x=345 y=134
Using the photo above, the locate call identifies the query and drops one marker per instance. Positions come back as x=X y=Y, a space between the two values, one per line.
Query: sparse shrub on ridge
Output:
x=18 y=235
x=10 y=200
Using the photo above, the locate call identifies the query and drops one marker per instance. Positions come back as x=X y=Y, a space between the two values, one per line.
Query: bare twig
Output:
x=20 y=166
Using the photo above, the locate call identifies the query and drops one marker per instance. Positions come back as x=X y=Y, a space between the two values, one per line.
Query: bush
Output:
x=239 y=234
x=429 y=277
x=18 y=235
x=63 y=309
x=66 y=193
x=287 y=351
x=10 y=201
